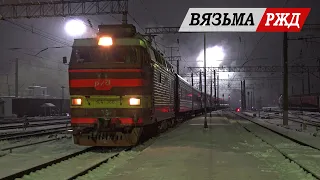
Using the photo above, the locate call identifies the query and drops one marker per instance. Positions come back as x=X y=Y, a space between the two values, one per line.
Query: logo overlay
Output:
x=244 y=19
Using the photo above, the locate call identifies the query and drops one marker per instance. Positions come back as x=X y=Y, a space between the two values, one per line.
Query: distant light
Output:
x=75 y=27
x=214 y=57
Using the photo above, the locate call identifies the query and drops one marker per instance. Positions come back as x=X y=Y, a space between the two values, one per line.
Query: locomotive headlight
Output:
x=76 y=102
x=134 y=101
x=105 y=41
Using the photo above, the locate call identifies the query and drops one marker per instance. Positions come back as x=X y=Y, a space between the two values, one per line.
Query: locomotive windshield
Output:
x=117 y=54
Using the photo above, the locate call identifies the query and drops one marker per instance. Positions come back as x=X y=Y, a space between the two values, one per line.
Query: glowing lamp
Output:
x=105 y=41
x=134 y=101
x=76 y=102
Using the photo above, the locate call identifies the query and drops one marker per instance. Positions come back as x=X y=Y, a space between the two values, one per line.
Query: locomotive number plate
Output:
x=107 y=101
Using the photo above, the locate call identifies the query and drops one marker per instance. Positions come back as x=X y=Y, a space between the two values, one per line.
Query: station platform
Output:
x=225 y=151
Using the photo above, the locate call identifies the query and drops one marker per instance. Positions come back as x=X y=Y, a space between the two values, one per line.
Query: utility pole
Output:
x=200 y=86
x=200 y=82
x=302 y=84
x=248 y=100
x=244 y=95
x=218 y=90
x=16 y=77
x=251 y=100
x=205 y=125
x=215 y=89
x=172 y=58
x=62 y=100
x=211 y=95
x=309 y=90
x=285 y=78
x=8 y=85
x=318 y=59
x=260 y=105
x=192 y=79
x=241 y=96
x=192 y=89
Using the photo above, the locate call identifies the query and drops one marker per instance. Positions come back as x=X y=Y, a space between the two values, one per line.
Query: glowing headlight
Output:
x=76 y=102
x=134 y=101
x=105 y=41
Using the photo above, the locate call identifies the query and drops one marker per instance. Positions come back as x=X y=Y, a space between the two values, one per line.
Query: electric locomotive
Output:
x=121 y=89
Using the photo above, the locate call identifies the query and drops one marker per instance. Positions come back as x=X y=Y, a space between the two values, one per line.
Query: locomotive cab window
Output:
x=116 y=54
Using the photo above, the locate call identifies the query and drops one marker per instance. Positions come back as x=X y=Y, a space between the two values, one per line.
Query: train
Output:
x=123 y=90
x=302 y=102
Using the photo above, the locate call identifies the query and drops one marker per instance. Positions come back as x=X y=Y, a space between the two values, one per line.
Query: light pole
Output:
x=62 y=99
x=205 y=125
x=8 y=86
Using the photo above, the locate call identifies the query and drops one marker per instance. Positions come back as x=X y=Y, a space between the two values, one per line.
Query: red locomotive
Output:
x=122 y=89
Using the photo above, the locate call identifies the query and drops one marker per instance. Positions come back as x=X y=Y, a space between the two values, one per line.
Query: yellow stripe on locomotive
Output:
x=129 y=101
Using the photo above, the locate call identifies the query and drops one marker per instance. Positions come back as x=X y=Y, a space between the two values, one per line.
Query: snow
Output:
x=276 y=119
x=305 y=156
x=27 y=157
x=74 y=165
x=224 y=151
x=25 y=141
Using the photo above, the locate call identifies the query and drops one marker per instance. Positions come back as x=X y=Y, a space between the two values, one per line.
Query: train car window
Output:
x=117 y=54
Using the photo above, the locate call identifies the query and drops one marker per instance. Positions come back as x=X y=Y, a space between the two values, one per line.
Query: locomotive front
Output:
x=109 y=98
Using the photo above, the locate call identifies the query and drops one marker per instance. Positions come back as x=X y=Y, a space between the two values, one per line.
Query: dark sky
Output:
x=33 y=35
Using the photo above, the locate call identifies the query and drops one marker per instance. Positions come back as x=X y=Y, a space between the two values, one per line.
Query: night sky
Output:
x=46 y=68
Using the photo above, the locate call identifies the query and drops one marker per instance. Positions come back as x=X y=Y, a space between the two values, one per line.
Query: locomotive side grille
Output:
x=163 y=88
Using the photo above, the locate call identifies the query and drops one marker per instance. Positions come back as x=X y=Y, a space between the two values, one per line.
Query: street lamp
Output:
x=75 y=27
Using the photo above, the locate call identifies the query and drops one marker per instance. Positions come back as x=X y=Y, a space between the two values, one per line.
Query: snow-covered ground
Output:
x=225 y=151
x=306 y=156
x=27 y=157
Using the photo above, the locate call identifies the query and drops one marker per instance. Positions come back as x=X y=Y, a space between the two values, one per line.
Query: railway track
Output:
x=33 y=124
x=309 y=122
x=18 y=135
x=315 y=123
x=21 y=120
x=301 y=153
x=82 y=161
